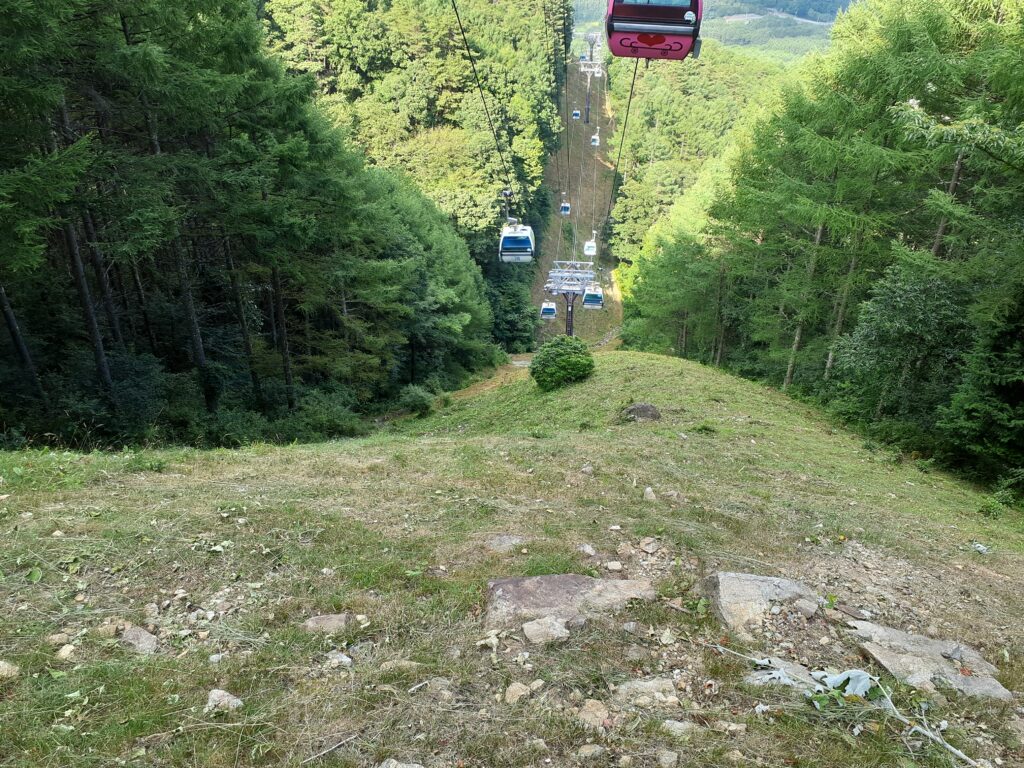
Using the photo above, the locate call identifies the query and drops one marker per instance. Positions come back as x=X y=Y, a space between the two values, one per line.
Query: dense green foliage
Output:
x=396 y=76
x=680 y=116
x=861 y=242
x=416 y=399
x=561 y=361
x=191 y=251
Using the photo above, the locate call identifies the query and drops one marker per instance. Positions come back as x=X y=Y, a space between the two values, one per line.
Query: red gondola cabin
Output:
x=654 y=29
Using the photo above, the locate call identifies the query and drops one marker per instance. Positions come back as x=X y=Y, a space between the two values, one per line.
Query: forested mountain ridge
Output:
x=862 y=243
x=781 y=30
x=396 y=77
x=192 y=252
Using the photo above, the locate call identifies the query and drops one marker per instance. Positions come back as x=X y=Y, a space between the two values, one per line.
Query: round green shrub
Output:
x=416 y=399
x=561 y=361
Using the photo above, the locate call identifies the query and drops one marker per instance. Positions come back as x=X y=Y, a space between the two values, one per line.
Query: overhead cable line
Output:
x=622 y=139
x=566 y=50
x=483 y=98
x=556 y=41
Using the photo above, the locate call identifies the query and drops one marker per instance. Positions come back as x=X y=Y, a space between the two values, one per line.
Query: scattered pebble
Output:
x=649 y=494
x=221 y=701
x=8 y=671
x=614 y=566
x=680 y=729
x=66 y=652
x=516 y=692
x=649 y=545
x=140 y=640
x=329 y=623
x=546 y=630
x=593 y=714
x=590 y=752
x=337 y=659
x=667 y=758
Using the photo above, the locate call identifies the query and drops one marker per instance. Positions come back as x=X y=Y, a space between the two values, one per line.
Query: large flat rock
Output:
x=566 y=596
x=924 y=662
x=741 y=600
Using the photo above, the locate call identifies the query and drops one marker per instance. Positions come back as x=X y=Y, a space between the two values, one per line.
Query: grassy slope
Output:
x=399 y=519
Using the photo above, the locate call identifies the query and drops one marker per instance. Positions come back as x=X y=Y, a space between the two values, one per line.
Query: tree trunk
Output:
x=681 y=336
x=88 y=312
x=798 y=334
x=940 y=233
x=194 y=332
x=794 y=348
x=837 y=329
x=272 y=317
x=100 y=268
x=719 y=341
x=144 y=311
x=243 y=324
x=20 y=346
x=282 y=336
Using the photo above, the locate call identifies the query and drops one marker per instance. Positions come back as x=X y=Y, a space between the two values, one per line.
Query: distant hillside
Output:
x=780 y=29
x=779 y=38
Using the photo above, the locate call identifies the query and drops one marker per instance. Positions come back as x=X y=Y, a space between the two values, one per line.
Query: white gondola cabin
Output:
x=517 y=244
x=564 y=208
x=548 y=310
x=575 y=114
x=595 y=140
x=593 y=297
x=590 y=248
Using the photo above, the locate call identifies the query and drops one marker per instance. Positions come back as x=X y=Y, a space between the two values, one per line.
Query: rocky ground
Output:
x=480 y=594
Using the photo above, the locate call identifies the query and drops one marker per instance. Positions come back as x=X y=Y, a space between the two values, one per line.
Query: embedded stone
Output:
x=567 y=596
x=926 y=663
x=328 y=623
x=741 y=600
x=546 y=630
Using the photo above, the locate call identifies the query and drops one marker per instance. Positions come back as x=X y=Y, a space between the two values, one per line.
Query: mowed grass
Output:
x=394 y=527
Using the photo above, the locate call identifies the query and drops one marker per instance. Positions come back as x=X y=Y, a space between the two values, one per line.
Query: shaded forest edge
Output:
x=857 y=241
x=211 y=238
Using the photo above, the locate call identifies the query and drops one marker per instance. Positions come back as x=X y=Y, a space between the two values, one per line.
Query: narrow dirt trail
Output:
x=588 y=186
